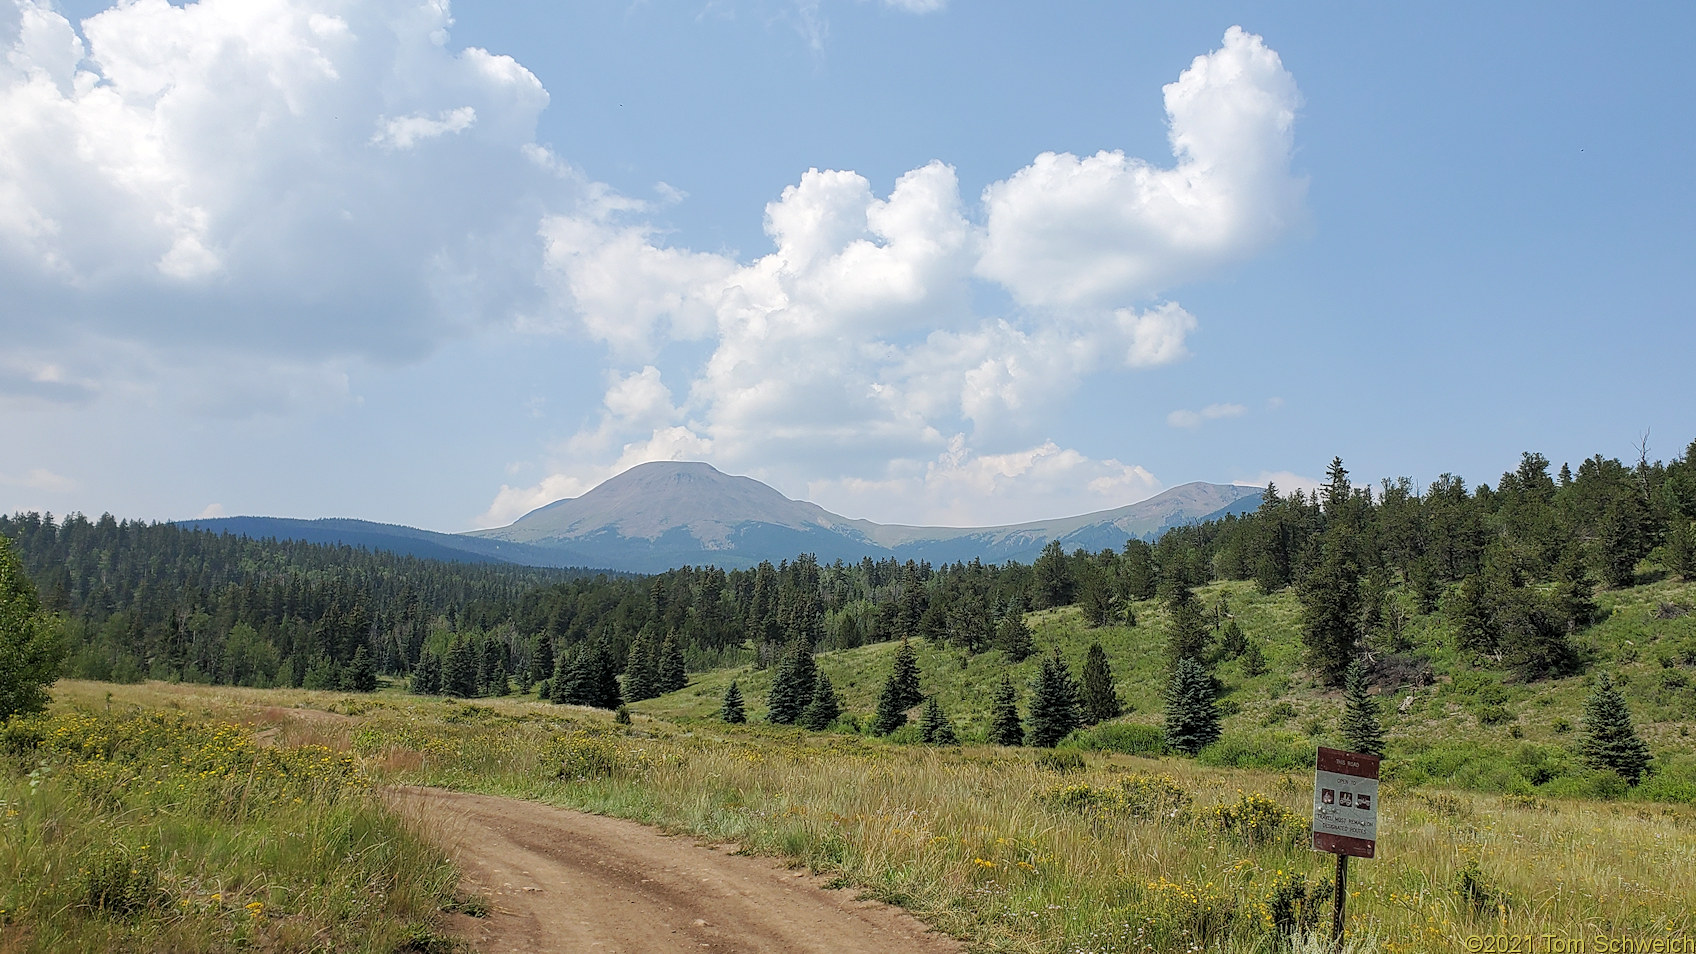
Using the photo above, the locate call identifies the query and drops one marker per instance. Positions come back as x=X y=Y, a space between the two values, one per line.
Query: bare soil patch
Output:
x=560 y=880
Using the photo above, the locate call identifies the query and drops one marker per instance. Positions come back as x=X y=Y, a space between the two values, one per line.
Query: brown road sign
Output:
x=1345 y=803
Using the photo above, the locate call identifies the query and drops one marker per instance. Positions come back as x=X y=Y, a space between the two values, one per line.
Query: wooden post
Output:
x=1337 y=903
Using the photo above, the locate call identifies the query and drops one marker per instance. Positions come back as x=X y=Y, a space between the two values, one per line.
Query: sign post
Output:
x=1345 y=816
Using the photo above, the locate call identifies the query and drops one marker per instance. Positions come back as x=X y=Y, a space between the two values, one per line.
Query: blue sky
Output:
x=920 y=261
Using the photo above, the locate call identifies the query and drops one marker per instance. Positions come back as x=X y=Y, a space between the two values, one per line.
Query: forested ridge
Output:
x=1512 y=566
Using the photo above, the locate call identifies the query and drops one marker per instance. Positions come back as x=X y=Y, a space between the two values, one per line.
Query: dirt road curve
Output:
x=566 y=881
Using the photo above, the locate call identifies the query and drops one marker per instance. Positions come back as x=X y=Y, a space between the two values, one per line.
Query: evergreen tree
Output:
x=427 y=675
x=1474 y=623
x=459 y=671
x=1331 y=605
x=498 y=681
x=360 y=676
x=825 y=706
x=905 y=676
x=1610 y=740
x=1254 y=659
x=891 y=715
x=1004 y=725
x=1187 y=635
x=1681 y=548
x=1054 y=703
x=1361 y=729
x=29 y=653
x=1053 y=577
x=673 y=675
x=731 y=711
x=934 y=727
x=1095 y=594
x=641 y=670
x=1100 y=701
x=1573 y=598
x=565 y=668
x=603 y=676
x=792 y=684
x=1013 y=637
x=1192 y=719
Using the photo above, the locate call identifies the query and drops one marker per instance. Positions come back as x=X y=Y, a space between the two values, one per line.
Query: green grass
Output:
x=1473 y=726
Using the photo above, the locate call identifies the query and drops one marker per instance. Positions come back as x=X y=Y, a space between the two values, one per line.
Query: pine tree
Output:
x=1187 y=636
x=731 y=711
x=459 y=671
x=825 y=706
x=1254 y=659
x=934 y=727
x=603 y=675
x=1475 y=624
x=1610 y=740
x=1004 y=725
x=1100 y=701
x=1013 y=637
x=673 y=675
x=498 y=684
x=641 y=670
x=427 y=675
x=360 y=676
x=1192 y=720
x=905 y=675
x=1330 y=603
x=1361 y=728
x=1681 y=548
x=792 y=684
x=1053 y=577
x=1054 y=703
x=29 y=652
x=565 y=666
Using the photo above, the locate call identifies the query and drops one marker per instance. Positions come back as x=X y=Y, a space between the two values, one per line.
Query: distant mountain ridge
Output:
x=664 y=514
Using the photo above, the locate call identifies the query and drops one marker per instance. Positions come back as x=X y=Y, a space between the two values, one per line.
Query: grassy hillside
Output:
x=1002 y=847
x=1450 y=720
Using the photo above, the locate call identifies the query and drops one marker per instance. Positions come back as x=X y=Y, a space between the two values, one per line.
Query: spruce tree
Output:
x=1004 y=725
x=1610 y=740
x=731 y=711
x=891 y=714
x=1361 y=728
x=934 y=727
x=565 y=666
x=1100 y=701
x=1192 y=720
x=498 y=684
x=905 y=675
x=673 y=675
x=1187 y=634
x=29 y=651
x=792 y=684
x=459 y=671
x=360 y=676
x=1254 y=659
x=1331 y=606
x=603 y=674
x=824 y=707
x=1013 y=637
x=427 y=675
x=1054 y=703
x=641 y=670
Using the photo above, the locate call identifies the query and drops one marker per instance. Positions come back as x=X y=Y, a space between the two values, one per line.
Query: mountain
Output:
x=663 y=514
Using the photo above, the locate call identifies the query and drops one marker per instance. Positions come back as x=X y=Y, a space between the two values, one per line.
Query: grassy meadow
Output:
x=160 y=817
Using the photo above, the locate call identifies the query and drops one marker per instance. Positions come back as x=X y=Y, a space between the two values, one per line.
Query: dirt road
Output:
x=561 y=880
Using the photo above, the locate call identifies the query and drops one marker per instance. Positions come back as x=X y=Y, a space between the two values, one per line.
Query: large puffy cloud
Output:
x=1100 y=229
x=852 y=345
x=307 y=177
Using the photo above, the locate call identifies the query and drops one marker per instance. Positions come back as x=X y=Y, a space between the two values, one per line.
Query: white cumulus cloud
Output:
x=1096 y=230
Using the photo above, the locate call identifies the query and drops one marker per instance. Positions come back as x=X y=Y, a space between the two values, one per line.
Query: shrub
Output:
x=1268 y=750
x=1255 y=819
x=583 y=757
x=1126 y=738
x=1137 y=796
x=119 y=881
x=1061 y=761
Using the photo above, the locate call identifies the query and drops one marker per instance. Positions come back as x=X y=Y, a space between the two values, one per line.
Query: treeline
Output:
x=154 y=600
x=1512 y=566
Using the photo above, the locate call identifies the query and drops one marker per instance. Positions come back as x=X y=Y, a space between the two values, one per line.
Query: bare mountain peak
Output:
x=665 y=513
